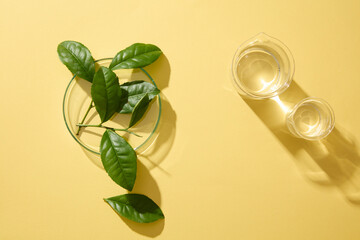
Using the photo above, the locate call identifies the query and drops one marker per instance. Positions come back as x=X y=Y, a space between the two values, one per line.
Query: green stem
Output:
x=88 y=125
x=83 y=120
x=114 y=129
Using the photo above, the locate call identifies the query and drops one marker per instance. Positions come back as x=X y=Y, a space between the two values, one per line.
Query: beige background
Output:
x=225 y=170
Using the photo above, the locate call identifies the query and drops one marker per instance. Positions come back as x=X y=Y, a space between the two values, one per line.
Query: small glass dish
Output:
x=311 y=119
x=77 y=99
x=262 y=67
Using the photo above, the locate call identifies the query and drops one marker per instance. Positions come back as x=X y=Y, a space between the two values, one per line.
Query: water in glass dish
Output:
x=310 y=120
x=258 y=71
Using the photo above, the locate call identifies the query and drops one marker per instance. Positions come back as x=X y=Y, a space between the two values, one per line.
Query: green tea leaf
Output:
x=77 y=58
x=136 y=56
x=139 y=110
x=118 y=159
x=106 y=93
x=134 y=91
x=136 y=207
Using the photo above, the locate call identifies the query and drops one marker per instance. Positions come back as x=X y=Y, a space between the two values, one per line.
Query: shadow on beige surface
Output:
x=146 y=184
x=160 y=147
x=147 y=229
x=160 y=71
x=333 y=161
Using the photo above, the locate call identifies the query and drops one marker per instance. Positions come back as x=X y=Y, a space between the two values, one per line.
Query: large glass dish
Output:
x=262 y=67
x=76 y=102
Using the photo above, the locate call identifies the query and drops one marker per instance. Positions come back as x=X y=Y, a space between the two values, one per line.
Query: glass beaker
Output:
x=262 y=67
x=311 y=119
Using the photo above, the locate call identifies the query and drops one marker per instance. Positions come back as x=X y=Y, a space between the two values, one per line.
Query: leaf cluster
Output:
x=109 y=97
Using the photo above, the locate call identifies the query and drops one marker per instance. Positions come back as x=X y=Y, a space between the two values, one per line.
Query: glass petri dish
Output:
x=77 y=99
x=311 y=119
x=262 y=67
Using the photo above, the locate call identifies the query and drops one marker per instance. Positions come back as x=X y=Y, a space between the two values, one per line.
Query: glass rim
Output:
x=289 y=57
x=328 y=107
x=97 y=152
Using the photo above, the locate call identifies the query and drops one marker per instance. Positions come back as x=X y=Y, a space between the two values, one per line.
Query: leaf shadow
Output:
x=160 y=71
x=152 y=229
x=159 y=147
x=331 y=162
x=146 y=184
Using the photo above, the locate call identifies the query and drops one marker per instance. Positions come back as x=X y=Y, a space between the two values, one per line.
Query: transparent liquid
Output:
x=258 y=71
x=309 y=120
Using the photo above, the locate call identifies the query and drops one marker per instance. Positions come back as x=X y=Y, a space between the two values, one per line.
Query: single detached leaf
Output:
x=77 y=58
x=136 y=56
x=134 y=91
x=136 y=207
x=106 y=93
x=118 y=159
x=139 y=110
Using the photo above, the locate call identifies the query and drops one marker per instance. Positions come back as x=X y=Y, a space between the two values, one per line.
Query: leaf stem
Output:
x=114 y=129
x=83 y=120
x=89 y=125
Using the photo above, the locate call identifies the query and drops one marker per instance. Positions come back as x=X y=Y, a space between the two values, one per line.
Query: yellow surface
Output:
x=225 y=169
